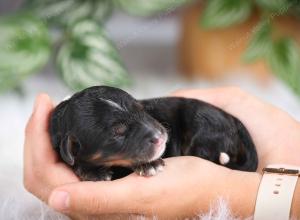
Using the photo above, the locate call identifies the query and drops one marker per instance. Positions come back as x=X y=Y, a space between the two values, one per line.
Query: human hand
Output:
x=157 y=194
x=44 y=172
x=275 y=134
x=183 y=189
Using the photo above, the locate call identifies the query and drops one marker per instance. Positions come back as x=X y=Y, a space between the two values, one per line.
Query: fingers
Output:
x=37 y=139
x=132 y=194
x=42 y=107
x=232 y=100
x=42 y=169
x=220 y=97
x=95 y=198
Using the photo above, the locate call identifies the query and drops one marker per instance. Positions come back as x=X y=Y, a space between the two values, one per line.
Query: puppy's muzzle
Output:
x=158 y=142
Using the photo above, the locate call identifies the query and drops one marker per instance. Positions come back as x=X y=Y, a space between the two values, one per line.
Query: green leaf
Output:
x=8 y=81
x=275 y=5
x=67 y=12
x=285 y=62
x=24 y=48
x=221 y=14
x=260 y=44
x=89 y=58
x=149 y=7
x=295 y=9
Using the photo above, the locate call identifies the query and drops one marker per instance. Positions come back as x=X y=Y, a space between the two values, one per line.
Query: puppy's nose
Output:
x=156 y=140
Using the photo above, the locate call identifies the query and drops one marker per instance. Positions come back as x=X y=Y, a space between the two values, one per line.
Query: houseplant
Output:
x=257 y=35
x=234 y=34
x=71 y=32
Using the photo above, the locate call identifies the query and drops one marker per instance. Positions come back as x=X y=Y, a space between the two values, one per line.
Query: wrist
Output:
x=242 y=192
x=295 y=210
x=208 y=187
x=238 y=189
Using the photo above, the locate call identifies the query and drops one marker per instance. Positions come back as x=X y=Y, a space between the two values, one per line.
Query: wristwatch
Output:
x=276 y=190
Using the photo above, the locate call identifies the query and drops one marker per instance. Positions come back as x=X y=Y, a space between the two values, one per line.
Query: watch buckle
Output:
x=282 y=171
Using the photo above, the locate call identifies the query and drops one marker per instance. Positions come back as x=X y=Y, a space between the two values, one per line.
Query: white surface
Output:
x=150 y=57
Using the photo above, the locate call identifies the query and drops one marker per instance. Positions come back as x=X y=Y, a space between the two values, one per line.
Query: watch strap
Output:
x=275 y=194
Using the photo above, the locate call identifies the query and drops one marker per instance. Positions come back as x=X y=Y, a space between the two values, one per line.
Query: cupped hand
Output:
x=52 y=181
x=43 y=171
x=186 y=186
x=175 y=193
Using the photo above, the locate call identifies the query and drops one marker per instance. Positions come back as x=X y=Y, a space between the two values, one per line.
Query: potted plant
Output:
x=71 y=32
x=261 y=36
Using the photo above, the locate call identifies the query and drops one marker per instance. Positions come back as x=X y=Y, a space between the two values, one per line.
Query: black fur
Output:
x=101 y=131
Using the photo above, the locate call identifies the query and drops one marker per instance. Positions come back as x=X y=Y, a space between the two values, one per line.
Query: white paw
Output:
x=224 y=158
x=107 y=178
x=160 y=168
x=151 y=171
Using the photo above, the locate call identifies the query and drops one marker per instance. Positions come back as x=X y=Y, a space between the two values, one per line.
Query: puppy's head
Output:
x=106 y=126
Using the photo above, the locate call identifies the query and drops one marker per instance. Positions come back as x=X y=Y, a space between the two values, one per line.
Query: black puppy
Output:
x=102 y=129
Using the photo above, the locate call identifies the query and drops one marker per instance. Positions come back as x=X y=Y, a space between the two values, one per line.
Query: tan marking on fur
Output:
x=120 y=162
x=117 y=160
x=111 y=161
x=95 y=157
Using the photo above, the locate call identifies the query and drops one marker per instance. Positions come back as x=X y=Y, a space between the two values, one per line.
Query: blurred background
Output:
x=148 y=48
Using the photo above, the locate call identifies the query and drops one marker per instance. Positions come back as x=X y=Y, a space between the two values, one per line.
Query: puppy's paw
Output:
x=93 y=175
x=95 y=178
x=106 y=177
x=150 y=169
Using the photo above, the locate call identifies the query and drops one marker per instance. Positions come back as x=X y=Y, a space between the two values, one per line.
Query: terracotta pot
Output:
x=216 y=53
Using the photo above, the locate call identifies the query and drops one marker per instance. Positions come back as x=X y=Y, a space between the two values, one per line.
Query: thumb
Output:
x=96 y=198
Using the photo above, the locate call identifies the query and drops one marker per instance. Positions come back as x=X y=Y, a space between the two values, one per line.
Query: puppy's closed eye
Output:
x=119 y=130
x=139 y=106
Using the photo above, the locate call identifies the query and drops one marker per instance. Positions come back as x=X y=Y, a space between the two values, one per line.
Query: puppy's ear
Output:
x=69 y=149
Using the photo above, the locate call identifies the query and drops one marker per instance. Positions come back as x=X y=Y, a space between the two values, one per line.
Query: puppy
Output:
x=104 y=133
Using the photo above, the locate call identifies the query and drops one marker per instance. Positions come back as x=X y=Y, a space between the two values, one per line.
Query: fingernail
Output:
x=59 y=200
